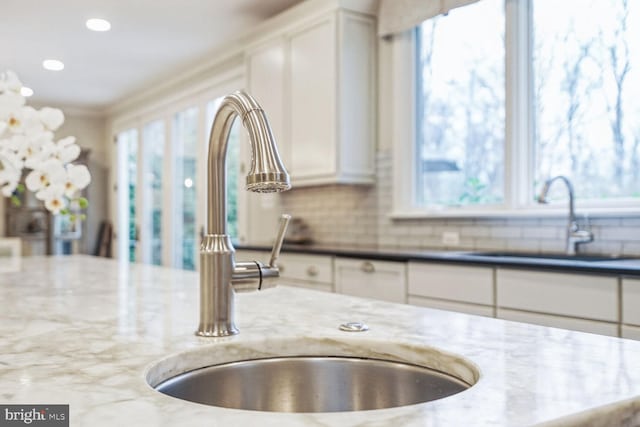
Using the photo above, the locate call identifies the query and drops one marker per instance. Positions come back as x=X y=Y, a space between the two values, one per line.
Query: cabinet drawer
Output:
x=316 y=286
x=316 y=268
x=631 y=332
x=631 y=301
x=460 y=307
x=451 y=282
x=582 y=325
x=575 y=295
x=383 y=280
x=251 y=255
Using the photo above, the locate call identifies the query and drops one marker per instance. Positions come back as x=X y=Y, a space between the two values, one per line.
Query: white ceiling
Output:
x=149 y=40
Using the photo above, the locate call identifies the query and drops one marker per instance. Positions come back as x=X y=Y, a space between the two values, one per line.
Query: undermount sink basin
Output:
x=579 y=257
x=336 y=378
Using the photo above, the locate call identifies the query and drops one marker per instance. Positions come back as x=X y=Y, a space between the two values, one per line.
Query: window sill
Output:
x=548 y=212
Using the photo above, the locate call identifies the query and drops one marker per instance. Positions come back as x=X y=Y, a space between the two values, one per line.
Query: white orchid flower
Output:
x=31 y=122
x=27 y=142
x=65 y=150
x=53 y=197
x=9 y=175
x=10 y=159
x=10 y=102
x=8 y=182
x=52 y=118
x=49 y=172
x=78 y=177
x=9 y=82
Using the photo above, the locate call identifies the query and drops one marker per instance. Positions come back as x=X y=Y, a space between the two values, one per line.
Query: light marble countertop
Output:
x=84 y=331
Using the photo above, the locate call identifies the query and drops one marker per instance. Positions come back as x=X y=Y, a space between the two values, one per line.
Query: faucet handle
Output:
x=277 y=246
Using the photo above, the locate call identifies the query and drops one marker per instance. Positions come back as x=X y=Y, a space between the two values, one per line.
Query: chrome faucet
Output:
x=220 y=275
x=575 y=235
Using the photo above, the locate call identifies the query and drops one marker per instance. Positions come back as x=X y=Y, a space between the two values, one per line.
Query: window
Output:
x=509 y=95
x=460 y=133
x=586 y=63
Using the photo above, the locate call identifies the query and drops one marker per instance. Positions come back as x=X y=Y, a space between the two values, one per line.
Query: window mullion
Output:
x=519 y=102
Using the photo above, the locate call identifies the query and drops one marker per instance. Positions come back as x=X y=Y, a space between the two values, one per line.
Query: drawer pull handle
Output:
x=368 y=267
x=312 y=271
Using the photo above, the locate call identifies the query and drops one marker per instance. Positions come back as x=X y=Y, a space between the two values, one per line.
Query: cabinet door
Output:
x=460 y=307
x=266 y=83
x=313 y=101
x=631 y=332
x=307 y=271
x=452 y=282
x=631 y=301
x=582 y=325
x=575 y=295
x=383 y=280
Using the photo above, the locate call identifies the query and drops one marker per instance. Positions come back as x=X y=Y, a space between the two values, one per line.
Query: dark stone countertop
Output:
x=582 y=263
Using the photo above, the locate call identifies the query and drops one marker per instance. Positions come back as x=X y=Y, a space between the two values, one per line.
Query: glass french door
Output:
x=162 y=189
x=151 y=192
x=184 y=185
x=127 y=185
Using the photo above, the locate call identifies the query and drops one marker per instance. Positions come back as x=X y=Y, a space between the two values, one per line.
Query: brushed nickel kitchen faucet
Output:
x=220 y=275
x=575 y=236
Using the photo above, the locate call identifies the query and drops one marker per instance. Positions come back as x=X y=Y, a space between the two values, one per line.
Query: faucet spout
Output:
x=267 y=173
x=575 y=236
x=218 y=267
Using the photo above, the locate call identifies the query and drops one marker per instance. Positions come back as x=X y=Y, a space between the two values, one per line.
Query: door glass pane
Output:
x=460 y=107
x=185 y=135
x=233 y=173
x=153 y=139
x=586 y=63
x=127 y=175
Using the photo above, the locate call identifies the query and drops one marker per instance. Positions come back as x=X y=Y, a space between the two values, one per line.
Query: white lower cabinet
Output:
x=574 y=295
x=631 y=332
x=460 y=307
x=582 y=325
x=451 y=287
x=383 y=280
x=306 y=271
x=301 y=270
x=631 y=301
x=606 y=305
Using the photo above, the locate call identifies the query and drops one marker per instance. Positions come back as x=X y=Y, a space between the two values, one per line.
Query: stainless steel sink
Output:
x=578 y=257
x=312 y=384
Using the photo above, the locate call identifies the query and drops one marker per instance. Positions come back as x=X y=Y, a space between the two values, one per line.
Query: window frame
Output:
x=519 y=126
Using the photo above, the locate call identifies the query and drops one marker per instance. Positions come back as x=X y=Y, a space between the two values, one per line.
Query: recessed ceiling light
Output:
x=97 y=24
x=53 y=65
x=26 y=91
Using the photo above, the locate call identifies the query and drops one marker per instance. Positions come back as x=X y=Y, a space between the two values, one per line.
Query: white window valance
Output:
x=395 y=16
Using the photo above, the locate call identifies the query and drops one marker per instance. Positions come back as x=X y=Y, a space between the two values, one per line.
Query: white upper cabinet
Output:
x=315 y=78
x=265 y=71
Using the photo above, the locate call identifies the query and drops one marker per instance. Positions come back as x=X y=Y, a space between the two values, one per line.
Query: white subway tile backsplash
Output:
x=631 y=249
x=506 y=232
x=543 y=232
x=620 y=233
x=522 y=245
x=490 y=244
x=477 y=230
